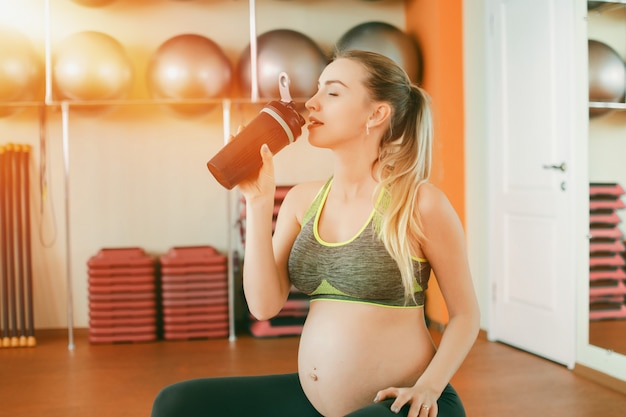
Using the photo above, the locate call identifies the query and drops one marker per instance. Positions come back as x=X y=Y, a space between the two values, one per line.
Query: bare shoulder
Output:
x=300 y=197
x=305 y=192
x=433 y=203
x=430 y=197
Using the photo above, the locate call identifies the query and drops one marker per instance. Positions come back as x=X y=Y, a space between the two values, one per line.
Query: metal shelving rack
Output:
x=65 y=107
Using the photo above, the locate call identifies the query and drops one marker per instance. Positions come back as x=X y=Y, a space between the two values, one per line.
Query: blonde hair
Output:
x=405 y=157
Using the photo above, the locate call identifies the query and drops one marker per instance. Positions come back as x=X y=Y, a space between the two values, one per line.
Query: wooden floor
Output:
x=122 y=380
x=608 y=334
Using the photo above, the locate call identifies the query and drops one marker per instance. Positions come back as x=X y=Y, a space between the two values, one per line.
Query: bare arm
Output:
x=444 y=247
x=265 y=277
x=264 y=287
x=446 y=251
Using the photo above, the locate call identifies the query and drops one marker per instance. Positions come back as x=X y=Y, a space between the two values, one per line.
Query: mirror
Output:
x=607 y=175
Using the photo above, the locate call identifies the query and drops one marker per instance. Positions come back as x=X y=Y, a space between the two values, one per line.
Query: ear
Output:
x=380 y=114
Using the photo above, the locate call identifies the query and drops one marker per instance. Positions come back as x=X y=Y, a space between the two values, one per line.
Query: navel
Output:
x=313 y=374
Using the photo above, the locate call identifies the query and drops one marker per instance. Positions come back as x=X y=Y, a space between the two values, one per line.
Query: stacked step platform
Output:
x=607 y=287
x=122 y=296
x=290 y=319
x=194 y=289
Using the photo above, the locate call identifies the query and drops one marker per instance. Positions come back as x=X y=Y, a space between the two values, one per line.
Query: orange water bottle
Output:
x=278 y=124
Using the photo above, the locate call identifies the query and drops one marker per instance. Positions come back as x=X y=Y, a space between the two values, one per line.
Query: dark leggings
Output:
x=266 y=396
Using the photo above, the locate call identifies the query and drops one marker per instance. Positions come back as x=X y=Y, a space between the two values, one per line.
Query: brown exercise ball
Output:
x=189 y=66
x=21 y=70
x=387 y=40
x=91 y=66
x=94 y=3
x=283 y=50
x=607 y=76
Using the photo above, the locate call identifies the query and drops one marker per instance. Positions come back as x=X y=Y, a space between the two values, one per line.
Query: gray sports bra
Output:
x=359 y=270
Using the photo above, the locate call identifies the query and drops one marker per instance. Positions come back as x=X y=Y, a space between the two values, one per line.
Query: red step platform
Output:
x=607 y=286
x=194 y=293
x=122 y=296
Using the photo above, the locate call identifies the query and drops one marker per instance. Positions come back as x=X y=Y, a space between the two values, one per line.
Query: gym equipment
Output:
x=388 y=40
x=283 y=50
x=189 y=66
x=91 y=65
x=122 y=296
x=594 y=4
x=607 y=76
x=607 y=289
x=17 y=326
x=94 y=3
x=194 y=293
x=21 y=70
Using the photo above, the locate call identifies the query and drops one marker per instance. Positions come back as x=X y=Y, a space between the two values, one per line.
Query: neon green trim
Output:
x=319 y=213
x=362 y=302
x=326 y=288
x=314 y=211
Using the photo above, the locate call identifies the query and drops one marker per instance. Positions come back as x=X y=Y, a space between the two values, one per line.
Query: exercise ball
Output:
x=189 y=66
x=91 y=66
x=594 y=4
x=607 y=76
x=21 y=70
x=283 y=50
x=387 y=40
x=94 y=3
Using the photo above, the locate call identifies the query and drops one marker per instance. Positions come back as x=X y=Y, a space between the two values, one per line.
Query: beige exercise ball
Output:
x=94 y=3
x=190 y=66
x=21 y=70
x=607 y=76
x=91 y=66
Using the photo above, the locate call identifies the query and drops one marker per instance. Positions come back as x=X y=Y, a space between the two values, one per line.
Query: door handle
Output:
x=562 y=167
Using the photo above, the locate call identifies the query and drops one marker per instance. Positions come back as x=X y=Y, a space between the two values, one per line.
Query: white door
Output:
x=530 y=54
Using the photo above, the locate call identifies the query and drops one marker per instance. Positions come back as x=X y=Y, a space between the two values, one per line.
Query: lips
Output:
x=313 y=122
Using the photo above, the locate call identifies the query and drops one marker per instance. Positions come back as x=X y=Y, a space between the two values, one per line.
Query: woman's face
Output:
x=339 y=110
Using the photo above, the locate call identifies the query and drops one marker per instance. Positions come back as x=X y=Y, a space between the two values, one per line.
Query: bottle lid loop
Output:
x=283 y=87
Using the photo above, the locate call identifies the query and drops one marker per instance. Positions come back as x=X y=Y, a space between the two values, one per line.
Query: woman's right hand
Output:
x=264 y=185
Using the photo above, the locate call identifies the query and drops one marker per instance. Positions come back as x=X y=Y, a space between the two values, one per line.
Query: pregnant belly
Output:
x=349 y=351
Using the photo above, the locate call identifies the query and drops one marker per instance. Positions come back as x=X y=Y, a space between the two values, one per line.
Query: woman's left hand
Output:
x=423 y=402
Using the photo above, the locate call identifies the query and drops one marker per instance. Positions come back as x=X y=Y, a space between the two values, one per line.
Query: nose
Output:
x=311 y=104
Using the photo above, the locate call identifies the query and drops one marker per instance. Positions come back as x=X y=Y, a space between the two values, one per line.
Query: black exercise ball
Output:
x=388 y=40
x=594 y=4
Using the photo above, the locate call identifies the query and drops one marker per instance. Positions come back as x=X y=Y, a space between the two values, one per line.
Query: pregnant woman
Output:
x=363 y=245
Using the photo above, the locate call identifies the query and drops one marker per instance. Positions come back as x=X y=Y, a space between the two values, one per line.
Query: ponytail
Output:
x=404 y=160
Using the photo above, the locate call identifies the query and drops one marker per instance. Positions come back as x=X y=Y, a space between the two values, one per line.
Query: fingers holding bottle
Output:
x=263 y=184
